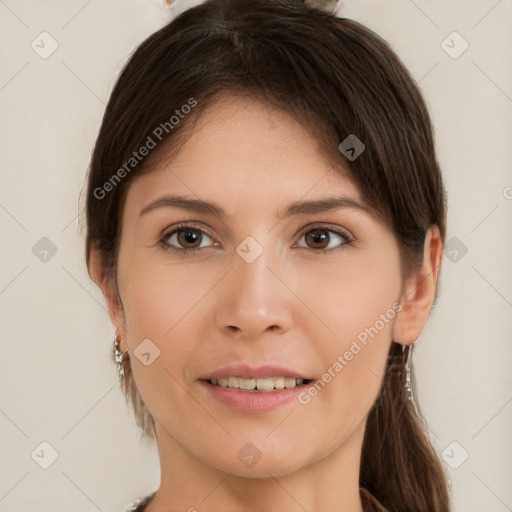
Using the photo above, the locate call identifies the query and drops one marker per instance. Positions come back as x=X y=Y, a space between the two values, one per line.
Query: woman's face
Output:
x=255 y=293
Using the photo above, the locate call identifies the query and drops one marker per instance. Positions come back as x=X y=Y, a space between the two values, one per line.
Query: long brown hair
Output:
x=337 y=78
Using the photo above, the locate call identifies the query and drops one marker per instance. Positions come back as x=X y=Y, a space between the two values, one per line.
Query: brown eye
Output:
x=185 y=238
x=317 y=238
x=188 y=238
x=323 y=238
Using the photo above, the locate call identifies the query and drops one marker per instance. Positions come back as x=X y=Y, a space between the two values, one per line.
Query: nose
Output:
x=255 y=298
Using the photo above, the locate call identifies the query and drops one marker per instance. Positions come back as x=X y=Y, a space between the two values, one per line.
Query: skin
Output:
x=293 y=305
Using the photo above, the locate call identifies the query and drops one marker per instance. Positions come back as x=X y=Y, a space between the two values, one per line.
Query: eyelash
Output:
x=348 y=240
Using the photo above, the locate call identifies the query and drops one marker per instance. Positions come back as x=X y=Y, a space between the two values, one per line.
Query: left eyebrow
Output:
x=324 y=205
x=296 y=208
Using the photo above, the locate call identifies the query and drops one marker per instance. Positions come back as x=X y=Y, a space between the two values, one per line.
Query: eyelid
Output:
x=327 y=227
x=186 y=224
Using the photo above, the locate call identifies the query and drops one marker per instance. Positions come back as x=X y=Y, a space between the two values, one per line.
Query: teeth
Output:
x=279 y=382
x=265 y=384
x=289 y=382
x=245 y=383
x=260 y=383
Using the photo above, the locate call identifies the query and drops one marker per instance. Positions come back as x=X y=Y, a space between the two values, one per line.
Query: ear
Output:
x=108 y=286
x=419 y=291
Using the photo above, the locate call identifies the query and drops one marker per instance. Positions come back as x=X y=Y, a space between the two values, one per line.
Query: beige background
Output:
x=58 y=383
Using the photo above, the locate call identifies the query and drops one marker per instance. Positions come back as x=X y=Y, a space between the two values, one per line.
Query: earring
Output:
x=118 y=358
x=408 y=385
x=397 y=364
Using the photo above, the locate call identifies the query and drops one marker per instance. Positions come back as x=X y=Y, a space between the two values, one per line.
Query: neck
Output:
x=188 y=484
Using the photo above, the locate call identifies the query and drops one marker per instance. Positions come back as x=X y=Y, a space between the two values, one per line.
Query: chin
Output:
x=252 y=462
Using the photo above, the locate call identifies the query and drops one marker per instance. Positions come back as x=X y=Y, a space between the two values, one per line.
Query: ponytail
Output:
x=399 y=464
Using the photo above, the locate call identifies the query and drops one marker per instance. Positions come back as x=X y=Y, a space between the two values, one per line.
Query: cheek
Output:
x=350 y=296
x=155 y=297
x=157 y=302
x=162 y=302
x=356 y=304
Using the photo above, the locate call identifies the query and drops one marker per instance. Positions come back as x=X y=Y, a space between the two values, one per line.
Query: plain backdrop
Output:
x=59 y=61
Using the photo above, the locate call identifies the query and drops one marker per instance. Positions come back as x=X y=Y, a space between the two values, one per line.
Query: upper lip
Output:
x=246 y=370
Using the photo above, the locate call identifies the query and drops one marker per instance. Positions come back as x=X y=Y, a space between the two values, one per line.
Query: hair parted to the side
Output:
x=337 y=78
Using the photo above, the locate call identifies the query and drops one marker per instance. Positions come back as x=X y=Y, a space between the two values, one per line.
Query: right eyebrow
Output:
x=187 y=203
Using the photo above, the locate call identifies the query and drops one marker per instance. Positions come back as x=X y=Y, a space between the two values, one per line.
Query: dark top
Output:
x=370 y=503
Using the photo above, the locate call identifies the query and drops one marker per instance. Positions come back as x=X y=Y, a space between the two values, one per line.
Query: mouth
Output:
x=255 y=388
x=255 y=394
x=258 y=384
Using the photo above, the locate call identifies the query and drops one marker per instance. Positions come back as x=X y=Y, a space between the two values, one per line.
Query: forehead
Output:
x=243 y=148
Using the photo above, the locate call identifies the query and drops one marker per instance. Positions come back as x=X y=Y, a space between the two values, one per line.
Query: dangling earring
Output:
x=408 y=385
x=398 y=363
x=118 y=357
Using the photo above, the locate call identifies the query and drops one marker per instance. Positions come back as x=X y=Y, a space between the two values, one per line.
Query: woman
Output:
x=266 y=218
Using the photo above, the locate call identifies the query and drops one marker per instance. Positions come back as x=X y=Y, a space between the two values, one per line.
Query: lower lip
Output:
x=253 y=401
